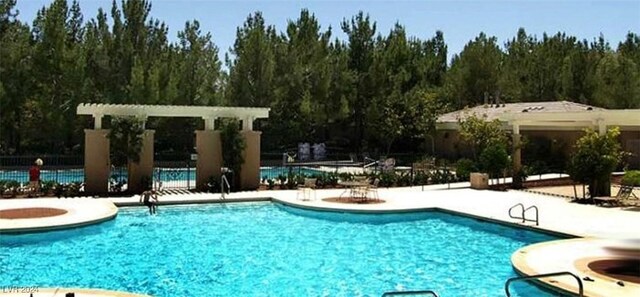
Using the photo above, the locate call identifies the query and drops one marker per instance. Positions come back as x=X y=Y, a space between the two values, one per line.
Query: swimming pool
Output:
x=271 y=250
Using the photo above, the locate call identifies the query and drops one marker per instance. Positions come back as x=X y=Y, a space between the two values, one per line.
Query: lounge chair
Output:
x=305 y=190
x=624 y=193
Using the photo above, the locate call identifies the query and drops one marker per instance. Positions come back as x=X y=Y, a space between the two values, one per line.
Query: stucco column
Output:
x=209 y=149
x=96 y=161
x=602 y=127
x=516 y=152
x=144 y=168
x=250 y=171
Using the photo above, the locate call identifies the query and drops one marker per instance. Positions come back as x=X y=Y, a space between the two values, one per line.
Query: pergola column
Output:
x=250 y=170
x=516 y=140
x=142 y=172
x=602 y=127
x=96 y=161
x=209 y=150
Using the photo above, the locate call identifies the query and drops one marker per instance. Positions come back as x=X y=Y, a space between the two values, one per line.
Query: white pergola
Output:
x=208 y=113
x=207 y=143
x=600 y=120
x=564 y=121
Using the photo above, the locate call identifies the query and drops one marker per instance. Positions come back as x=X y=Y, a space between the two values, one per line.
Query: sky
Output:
x=459 y=20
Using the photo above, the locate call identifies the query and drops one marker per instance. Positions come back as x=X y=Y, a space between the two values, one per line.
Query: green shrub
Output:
x=68 y=190
x=345 y=176
x=494 y=159
x=388 y=179
x=271 y=183
x=332 y=179
x=631 y=178
x=283 y=180
x=404 y=179
x=594 y=159
x=442 y=176
x=464 y=167
x=420 y=178
x=9 y=187
x=47 y=187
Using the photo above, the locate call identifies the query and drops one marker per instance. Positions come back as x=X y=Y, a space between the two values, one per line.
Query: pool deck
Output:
x=83 y=211
x=556 y=215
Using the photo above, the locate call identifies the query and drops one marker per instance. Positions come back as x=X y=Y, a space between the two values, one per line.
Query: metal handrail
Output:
x=525 y=211
x=399 y=293
x=223 y=181
x=531 y=277
x=514 y=217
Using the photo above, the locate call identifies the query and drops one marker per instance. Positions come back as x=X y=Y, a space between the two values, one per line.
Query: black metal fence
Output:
x=62 y=169
x=174 y=171
x=177 y=171
x=412 y=168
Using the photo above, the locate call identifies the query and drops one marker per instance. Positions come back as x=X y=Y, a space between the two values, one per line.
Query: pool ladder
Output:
x=537 y=276
x=524 y=212
x=400 y=293
x=223 y=182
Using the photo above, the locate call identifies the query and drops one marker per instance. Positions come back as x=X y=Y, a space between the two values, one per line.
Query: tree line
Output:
x=374 y=91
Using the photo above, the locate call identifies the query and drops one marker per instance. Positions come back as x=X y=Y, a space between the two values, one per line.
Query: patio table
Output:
x=355 y=189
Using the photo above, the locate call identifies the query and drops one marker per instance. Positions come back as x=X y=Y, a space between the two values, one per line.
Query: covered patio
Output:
x=558 y=119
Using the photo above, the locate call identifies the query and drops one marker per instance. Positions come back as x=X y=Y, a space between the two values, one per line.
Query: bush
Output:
x=388 y=179
x=494 y=159
x=47 y=187
x=345 y=176
x=464 y=167
x=68 y=190
x=404 y=179
x=332 y=179
x=631 y=178
x=283 y=180
x=420 y=178
x=594 y=160
x=10 y=187
x=442 y=176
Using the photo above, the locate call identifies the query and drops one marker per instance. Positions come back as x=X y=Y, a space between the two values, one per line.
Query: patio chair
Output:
x=624 y=193
x=305 y=190
x=372 y=190
x=388 y=164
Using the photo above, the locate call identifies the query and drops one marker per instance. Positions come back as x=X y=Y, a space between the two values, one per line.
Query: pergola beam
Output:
x=208 y=113
x=599 y=120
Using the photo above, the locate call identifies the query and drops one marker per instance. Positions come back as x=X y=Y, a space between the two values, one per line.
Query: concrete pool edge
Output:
x=572 y=255
x=82 y=213
x=424 y=209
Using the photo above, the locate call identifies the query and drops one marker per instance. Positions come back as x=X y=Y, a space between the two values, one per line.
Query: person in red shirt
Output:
x=34 y=176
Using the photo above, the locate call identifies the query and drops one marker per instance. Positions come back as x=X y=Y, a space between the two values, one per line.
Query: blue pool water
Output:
x=270 y=250
x=173 y=174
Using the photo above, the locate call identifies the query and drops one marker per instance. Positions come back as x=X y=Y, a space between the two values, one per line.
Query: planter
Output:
x=479 y=181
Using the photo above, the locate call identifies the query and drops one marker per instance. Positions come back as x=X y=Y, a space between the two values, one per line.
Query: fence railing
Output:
x=178 y=170
x=57 y=168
